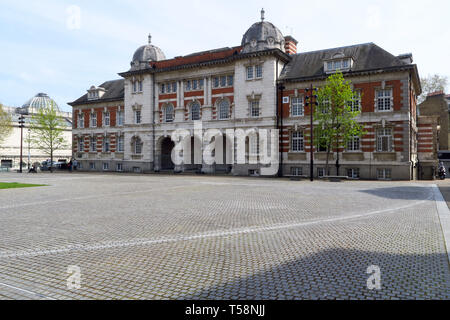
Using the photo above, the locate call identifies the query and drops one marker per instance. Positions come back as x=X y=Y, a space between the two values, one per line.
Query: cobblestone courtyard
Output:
x=199 y=237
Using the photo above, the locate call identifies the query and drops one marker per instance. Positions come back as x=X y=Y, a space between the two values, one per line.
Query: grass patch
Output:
x=12 y=185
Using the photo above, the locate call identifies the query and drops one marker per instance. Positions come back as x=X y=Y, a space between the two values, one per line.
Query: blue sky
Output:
x=46 y=48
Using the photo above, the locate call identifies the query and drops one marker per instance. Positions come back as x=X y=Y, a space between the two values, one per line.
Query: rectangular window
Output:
x=120 y=118
x=254 y=145
x=297 y=141
x=384 y=140
x=106 y=144
x=254 y=108
x=344 y=64
x=120 y=144
x=320 y=172
x=223 y=81
x=93 y=144
x=163 y=88
x=105 y=166
x=384 y=174
x=297 y=107
x=259 y=71
x=230 y=81
x=134 y=86
x=249 y=73
x=107 y=118
x=194 y=85
x=353 y=144
x=137 y=116
x=92 y=165
x=80 y=145
x=174 y=87
x=355 y=104
x=384 y=100
x=201 y=83
x=119 y=167
x=216 y=82
x=296 y=171
x=140 y=86
x=138 y=147
x=94 y=120
x=188 y=85
x=329 y=65
x=81 y=120
x=353 y=173
x=337 y=65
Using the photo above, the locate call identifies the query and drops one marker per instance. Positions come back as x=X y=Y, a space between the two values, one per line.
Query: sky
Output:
x=63 y=47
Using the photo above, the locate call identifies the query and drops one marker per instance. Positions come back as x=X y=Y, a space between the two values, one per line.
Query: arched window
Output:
x=138 y=145
x=224 y=109
x=168 y=113
x=195 y=111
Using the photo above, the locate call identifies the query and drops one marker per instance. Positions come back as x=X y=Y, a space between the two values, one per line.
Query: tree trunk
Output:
x=51 y=161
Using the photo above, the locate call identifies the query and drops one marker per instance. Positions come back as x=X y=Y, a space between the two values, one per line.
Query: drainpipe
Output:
x=153 y=119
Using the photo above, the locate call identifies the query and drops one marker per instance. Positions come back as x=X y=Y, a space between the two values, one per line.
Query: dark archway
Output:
x=166 y=154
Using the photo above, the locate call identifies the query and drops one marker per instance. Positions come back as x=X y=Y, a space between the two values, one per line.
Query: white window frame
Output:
x=166 y=114
x=384 y=138
x=92 y=165
x=80 y=144
x=197 y=115
x=353 y=173
x=253 y=145
x=107 y=119
x=137 y=117
x=384 y=100
x=120 y=118
x=138 y=146
x=250 y=73
x=259 y=71
x=255 y=110
x=220 y=113
x=106 y=144
x=120 y=144
x=94 y=120
x=93 y=144
x=81 y=120
x=297 y=141
x=354 y=144
x=105 y=166
x=119 y=167
x=297 y=107
x=384 y=174
x=355 y=104
x=296 y=171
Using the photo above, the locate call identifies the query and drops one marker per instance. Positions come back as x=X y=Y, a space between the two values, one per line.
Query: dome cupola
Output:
x=262 y=35
x=145 y=54
x=39 y=101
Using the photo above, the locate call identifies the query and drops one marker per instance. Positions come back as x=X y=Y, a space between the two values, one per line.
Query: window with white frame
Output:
x=254 y=108
x=298 y=142
x=320 y=172
x=224 y=109
x=355 y=104
x=120 y=144
x=383 y=174
x=119 y=167
x=168 y=113
x=194 y=85
x=326 y=106
x=120 y=118
x=297 y=107
x=338 y=64
x=93 y=119
x=137 y=86
x=384 y=100
x=223 y=81
x=296 y=171
x=253 y=145
x=81 y=120
x=106 y=144
x=92 y=165
x=93 y=144
x=80 y=145
x=195 y=111
x=138 y=146
x=353 y=173
x=140 y=85
x=354 y=144
x=105 y=166
x=254 y=72
x=137 y=116
x=384 y=140
x=107 y=117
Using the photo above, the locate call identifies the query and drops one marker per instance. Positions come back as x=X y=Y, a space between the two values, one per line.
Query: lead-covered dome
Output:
x=145 y=54
x=262 y=35
x=39 y=101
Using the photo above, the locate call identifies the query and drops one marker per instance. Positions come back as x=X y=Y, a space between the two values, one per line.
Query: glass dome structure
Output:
x=41 y=100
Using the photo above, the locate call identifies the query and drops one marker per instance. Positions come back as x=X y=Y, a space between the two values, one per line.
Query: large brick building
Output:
x=126 y=124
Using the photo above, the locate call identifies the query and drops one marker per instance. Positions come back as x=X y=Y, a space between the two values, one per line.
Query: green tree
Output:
x=5 y=124
x=47 y=131
x=430 y=84
x=335 y=121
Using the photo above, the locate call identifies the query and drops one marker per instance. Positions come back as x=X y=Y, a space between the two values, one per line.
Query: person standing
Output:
x=75 y=164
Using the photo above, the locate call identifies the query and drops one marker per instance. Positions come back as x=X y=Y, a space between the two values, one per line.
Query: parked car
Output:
x=45 y=165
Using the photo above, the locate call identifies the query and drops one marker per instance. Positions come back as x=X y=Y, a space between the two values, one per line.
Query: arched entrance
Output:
x=166 y=154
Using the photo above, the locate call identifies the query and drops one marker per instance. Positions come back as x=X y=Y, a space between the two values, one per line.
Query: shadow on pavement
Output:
x=403 y=193
x=339 y=274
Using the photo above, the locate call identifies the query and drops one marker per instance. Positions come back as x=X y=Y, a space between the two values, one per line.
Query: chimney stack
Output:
x=290 y=45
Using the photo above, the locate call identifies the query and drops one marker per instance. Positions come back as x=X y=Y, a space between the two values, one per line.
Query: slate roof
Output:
x=114 y=92
x=367 y=57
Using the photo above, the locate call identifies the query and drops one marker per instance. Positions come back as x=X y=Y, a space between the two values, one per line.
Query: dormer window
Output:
x=338 y=62
x=137 y=86
x=95 y=93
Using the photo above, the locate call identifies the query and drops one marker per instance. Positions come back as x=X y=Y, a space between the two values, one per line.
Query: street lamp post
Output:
x=29 y=155
x=311 y=100
x=21 y=125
